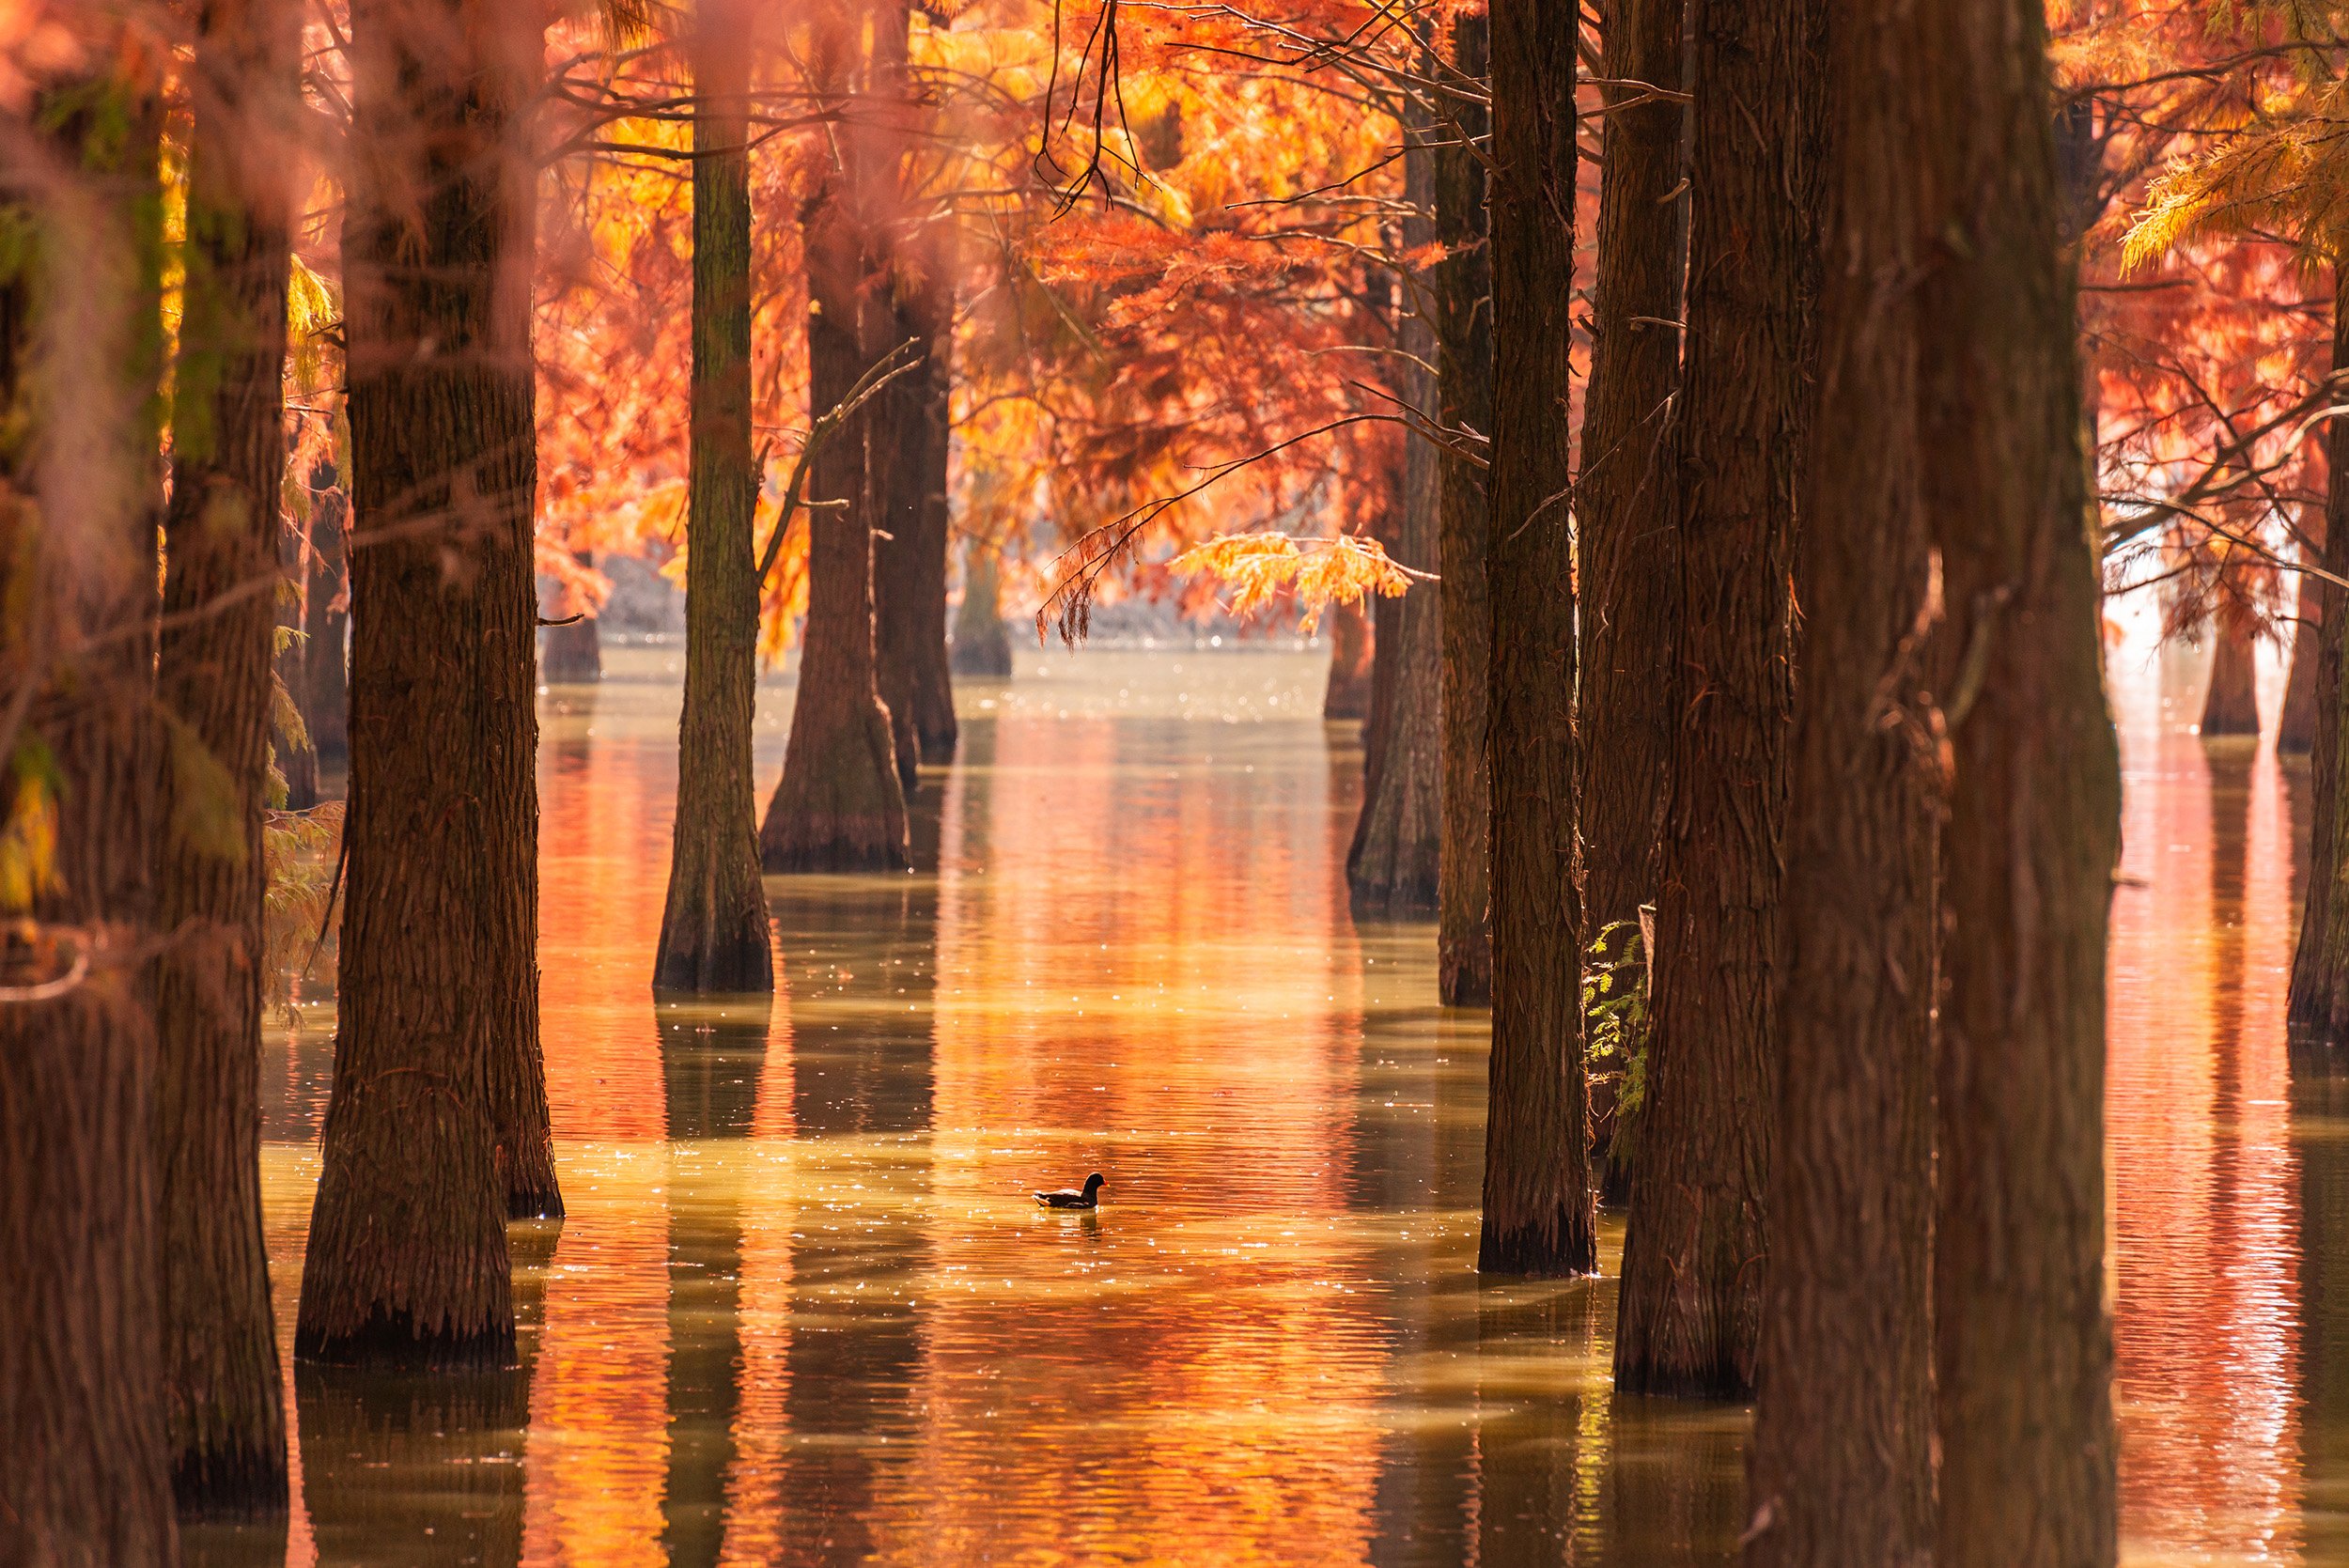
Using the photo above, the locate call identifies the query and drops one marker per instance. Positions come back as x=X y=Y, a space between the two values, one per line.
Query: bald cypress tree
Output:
x=714 y=932
x=1841 y=1464
x=1538 y=1216
x=86 y=1478
x=430 y=1137
x=1694 y=1250
x=225 y=1392
x=2024 y=1338
x=840 y=805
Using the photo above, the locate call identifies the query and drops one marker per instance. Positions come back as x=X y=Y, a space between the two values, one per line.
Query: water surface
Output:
x=803 y=1311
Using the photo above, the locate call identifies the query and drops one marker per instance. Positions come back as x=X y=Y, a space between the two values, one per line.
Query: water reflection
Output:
x=712 y=1059
x=404 y=1470
x=805 y=1312
x=859 y=961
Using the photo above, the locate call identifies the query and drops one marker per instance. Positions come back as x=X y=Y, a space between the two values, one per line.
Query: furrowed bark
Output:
x=86 y=1479
x=1625 y=497
x=1689 y=1309
x=1840 y=1466
x=1538 y=1215
x=1464 y=342
x=422 y=1158
x=840 y=805
x=224 y=1391
x=714 y=932
x=2024 y=1342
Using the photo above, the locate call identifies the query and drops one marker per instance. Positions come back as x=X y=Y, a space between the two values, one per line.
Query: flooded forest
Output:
x=1455 y=784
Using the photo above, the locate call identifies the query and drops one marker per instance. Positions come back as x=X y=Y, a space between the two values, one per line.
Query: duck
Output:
x=1071 y=1198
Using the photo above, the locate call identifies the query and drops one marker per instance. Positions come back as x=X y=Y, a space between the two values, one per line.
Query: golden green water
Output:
x=803 y=1311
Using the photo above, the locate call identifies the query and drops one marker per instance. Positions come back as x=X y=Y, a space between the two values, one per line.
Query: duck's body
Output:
x=1088 y=1197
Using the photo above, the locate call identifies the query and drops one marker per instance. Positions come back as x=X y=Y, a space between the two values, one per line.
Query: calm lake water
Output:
x=803 y=1311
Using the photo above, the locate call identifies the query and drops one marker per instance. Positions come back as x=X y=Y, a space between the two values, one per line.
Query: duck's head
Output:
x=1094 y=1183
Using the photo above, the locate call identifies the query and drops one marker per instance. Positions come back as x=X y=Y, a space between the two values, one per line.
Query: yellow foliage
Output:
x=1258 y=567
x=28 y=841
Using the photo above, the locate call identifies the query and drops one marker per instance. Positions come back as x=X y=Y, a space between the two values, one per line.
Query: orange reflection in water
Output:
x=805 y=1312
x=1141 y=983
x=2203 y=1176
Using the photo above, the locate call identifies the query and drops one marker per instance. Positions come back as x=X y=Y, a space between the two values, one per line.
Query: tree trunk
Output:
x=1690 y=1312
x=1394 y=867
x=713 y=933
x=1464 y=359
x=1348 y=691
x=2295 y=726
x=86 y=1478
x=2024 y=1342
x=841 y=806
x=574 y=650
x=981 y=646
x=424 y=1156
x=2232 y=706
x=224 y=1394
x=324 y=691
x=2317 y=1013
x=296 y=748
x=1840 y=1466
x=1624 y=502
x=1538 y=1216
x=909 y=442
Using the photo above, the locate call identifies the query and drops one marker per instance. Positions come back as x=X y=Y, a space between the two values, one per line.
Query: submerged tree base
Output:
x=531 y=1192
x=231 y=1484
x=1464 y=975
x=715 y=964
x=1563 y=1248
x=841 y=806
x=390 y=1339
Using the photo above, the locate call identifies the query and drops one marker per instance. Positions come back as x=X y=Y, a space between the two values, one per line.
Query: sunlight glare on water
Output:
x=804 y=1311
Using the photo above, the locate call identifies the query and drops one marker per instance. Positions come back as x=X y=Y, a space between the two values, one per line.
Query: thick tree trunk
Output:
x=224 y=1394
x=841 y=806
x=2024 y=1351
x=1394 y=867
x=713 y=933
x=2295 y=725
x=1464 y=358
x=423 y=1154
x=1624 y=500
x=2317 y=1013
x=981 y=648
x=573 y=655
x=1348 y=694
x=1690 y=1312
x=1538 y=1216
x=1840 y=1466
x=2232 y=704
x=86 y=1479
